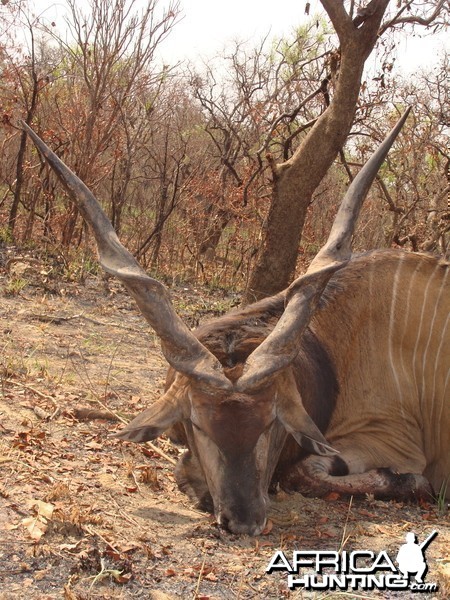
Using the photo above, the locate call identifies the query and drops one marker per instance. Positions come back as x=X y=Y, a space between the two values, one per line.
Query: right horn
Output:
x=281 y=346
x=183 y=351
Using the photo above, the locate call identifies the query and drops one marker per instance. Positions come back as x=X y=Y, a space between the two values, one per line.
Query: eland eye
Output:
x=196 y=427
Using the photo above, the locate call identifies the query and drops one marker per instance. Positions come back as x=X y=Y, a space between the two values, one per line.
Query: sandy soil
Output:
x=85 y=516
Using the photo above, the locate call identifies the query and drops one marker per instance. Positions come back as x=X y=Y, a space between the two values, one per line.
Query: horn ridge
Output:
x=338 y=245
x=281 y=346
x=184 y=352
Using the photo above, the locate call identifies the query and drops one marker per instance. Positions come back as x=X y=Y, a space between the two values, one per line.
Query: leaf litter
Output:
x=84 y=516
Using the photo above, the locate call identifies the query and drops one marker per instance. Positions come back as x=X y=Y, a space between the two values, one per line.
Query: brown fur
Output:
x=384 y=322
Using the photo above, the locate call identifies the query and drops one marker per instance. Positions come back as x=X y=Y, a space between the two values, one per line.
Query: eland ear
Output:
x=292 y=414
x=153 y=421
x=308 y=436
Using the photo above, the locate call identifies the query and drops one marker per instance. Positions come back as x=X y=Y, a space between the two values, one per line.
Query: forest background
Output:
x=185 y=154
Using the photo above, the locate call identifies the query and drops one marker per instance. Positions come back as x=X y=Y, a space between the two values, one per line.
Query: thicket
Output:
x=180 y=155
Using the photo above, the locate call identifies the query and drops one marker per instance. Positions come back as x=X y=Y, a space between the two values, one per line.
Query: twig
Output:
x=200 y=575
x=93 y=531
x=54 y=318
x=136 y=483
x=108 y=376
x=161 y=453
x=122 y=513
x=34 y=390
x=345 y=538
x=61 y=319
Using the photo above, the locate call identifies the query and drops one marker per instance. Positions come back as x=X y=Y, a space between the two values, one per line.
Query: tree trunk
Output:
x=19 y=182
x=31 y=109
x=295 y=180
x=214 y=230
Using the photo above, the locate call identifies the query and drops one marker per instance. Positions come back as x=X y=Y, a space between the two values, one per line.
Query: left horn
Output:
x=281 y=346
x=184 y=352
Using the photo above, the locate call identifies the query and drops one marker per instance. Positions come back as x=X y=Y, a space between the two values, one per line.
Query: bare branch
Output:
x=425 y=21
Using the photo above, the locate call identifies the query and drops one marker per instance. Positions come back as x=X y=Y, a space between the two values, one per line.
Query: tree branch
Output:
x=341 y=21
x=413 y=19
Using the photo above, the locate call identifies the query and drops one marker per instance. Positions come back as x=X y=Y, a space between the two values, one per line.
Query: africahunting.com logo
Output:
x=359 y=569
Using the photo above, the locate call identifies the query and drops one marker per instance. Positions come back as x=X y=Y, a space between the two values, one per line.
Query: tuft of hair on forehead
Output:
x=233 y=373
x=234 y=336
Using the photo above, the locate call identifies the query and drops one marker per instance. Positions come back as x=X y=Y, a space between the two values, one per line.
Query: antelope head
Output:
x=236 y=420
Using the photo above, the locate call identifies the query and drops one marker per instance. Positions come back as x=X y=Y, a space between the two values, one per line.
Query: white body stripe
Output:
x=388 y=335
x=392 y=322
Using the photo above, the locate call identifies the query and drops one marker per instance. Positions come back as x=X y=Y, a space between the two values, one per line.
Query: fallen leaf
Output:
x=68 y=594
x=119 y=576
x=332 y=496
x=35 y=527
x=9 y=527
x=131 y=489
x=70 y=547
x=43 y=509
x=94 y=446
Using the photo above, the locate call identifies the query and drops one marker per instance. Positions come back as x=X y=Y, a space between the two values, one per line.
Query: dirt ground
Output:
x=84 y=516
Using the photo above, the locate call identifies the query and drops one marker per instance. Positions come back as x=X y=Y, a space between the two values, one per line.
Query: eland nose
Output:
x=253 y=527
